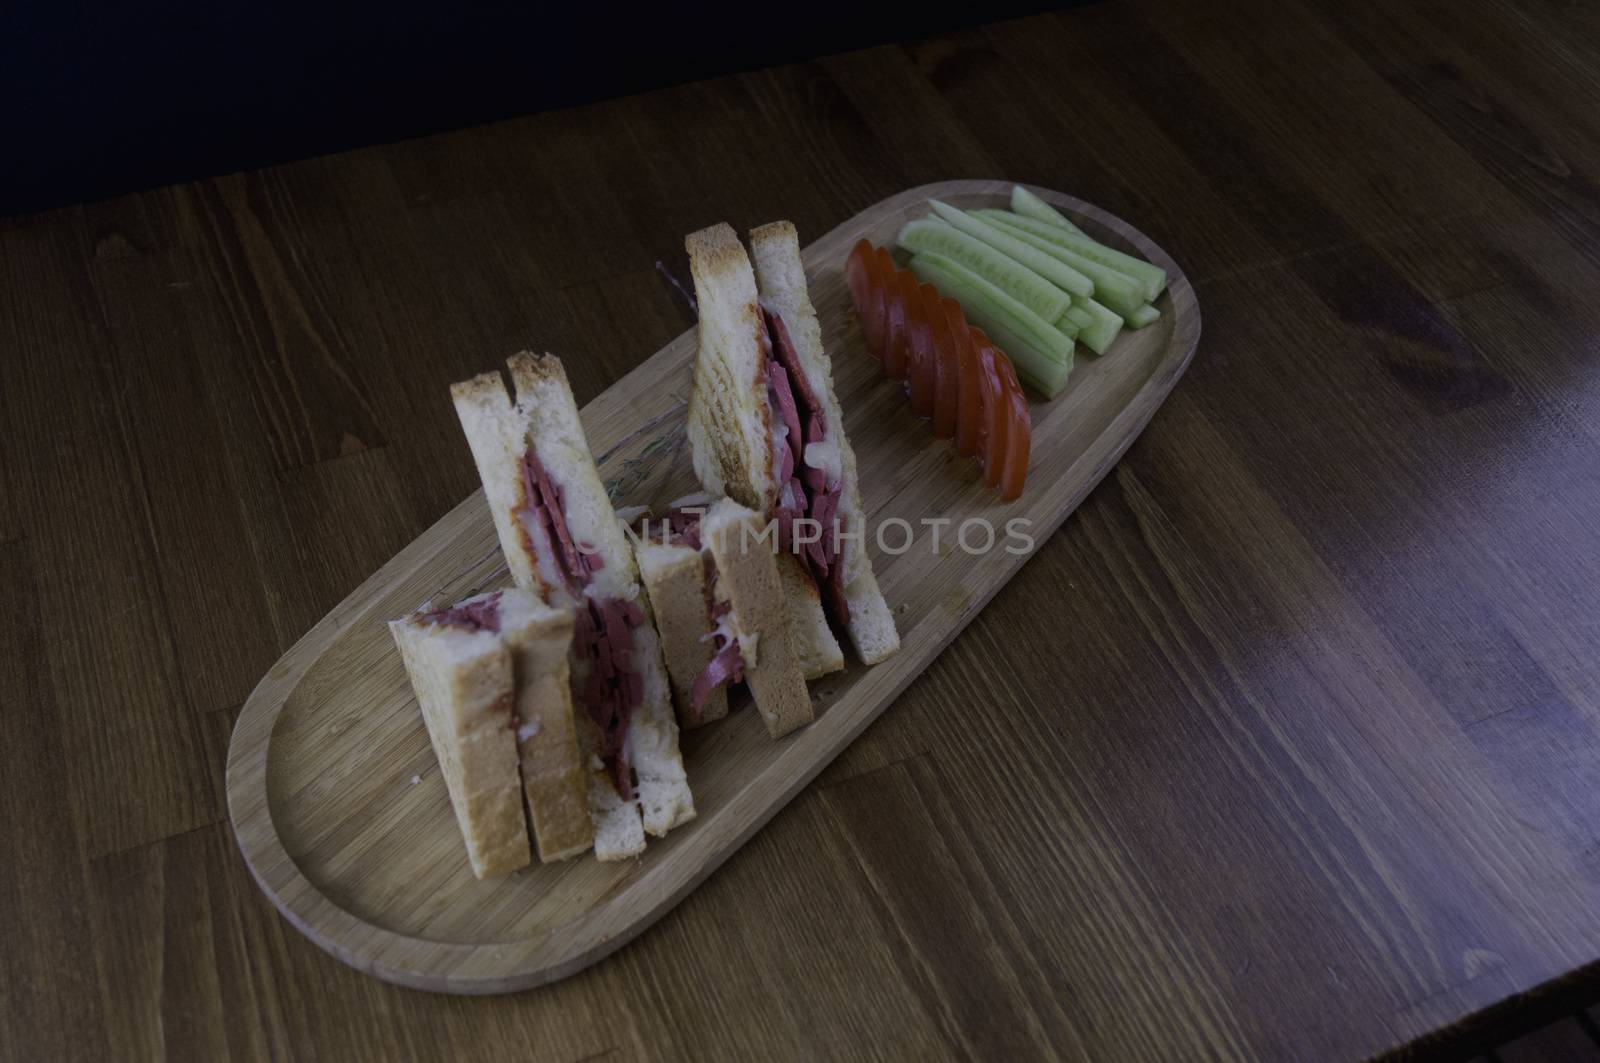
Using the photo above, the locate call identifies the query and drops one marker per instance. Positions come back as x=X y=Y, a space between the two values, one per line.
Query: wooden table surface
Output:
x=1285 y=746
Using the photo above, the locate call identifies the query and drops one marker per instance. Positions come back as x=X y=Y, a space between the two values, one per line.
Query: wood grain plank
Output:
x=1289 y=87
x=46 y=1009
x=294 y=370
x=957 y=948
x=309 y=526
x=341 y=511
x=142 y=281
x=119 y=699
x=1090 y=755
x=423 y=287
x=1491 y=661
x=916 y=138
x=1533 y=131
x=194 y=958
x=1303 y=676
x=827 y=988
x=1108 y=148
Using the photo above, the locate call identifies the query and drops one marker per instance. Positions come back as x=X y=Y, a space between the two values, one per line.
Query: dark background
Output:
x=105 y=98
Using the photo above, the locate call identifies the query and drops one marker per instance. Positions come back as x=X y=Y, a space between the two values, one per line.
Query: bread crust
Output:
x=497 y=437
x=540 y=640
x=675 y=579
x=781 y=282
x=464 y=686
x=555 y=430
x=747 y=576
x=730 y=418
x=730 y=421
x=545 y=418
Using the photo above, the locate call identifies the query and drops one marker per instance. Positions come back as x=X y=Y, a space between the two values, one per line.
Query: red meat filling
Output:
x=612 y=690
x=804 y=491
x=481 y=615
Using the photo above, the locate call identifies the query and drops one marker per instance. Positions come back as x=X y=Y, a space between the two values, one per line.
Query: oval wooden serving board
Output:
x=336 y=799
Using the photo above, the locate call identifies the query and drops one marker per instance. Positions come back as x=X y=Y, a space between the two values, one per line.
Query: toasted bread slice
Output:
x=781 y=283
x=498 y=436
x=554 y=783
x=675 y=579
x=747 y=578
x=730 y=423
x=544 y=420
x=731 y=430
x=465 y=682
x=814 y=643
x=555 y=432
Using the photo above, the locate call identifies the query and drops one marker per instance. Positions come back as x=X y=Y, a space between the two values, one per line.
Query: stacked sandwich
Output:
x=784 y=550
x=551 y=705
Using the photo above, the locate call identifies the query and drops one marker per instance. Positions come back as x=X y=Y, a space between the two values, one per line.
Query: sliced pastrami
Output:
x=481 y=615
x=602 y=637
x=677 y=527
x=545 y=504
x=785 y=405
x=683 y=527
x=804 y=490
x=612 y=690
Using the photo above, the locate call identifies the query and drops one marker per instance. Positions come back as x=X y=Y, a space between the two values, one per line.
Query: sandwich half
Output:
x=490 y=674
x=765 y=429
x=563 y=542
x=714 y=574
x=849 y=588
x=677 y=578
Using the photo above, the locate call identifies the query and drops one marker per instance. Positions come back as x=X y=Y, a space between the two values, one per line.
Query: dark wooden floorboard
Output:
x=1564 y=1042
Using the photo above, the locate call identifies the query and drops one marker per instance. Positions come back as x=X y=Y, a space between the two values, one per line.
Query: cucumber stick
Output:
x=1040 y=352
x=1117 y=290
x=1047 y=266
x=933 y=236
x=1097 y=325
x=1029 y=205
x=1143 y=316
x=1152 y=279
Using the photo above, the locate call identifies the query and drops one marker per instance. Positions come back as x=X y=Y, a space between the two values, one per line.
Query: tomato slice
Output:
x=896 y=336
x=904 y=291
x=866 y=292
x=969 y=391
x=993 y=443
x=952 y=372
x=921 y=373
x=946 y=361
x=1019 y=432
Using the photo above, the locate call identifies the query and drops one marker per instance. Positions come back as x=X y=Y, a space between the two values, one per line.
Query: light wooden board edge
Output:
x=501 y=967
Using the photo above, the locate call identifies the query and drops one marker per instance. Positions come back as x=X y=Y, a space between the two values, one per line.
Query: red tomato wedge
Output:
x=1019 y=433
x=920 y=353
x=894 y=351
x=946 y=361
x=909 y=298
x=969 y=403
x=993 y=437
x=953 y=373
x=866 y=292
